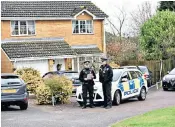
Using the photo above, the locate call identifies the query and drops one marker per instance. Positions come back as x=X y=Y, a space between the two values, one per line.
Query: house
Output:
x=47 y=35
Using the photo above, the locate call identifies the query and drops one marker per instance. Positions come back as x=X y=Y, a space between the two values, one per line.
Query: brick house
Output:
x=43 y=34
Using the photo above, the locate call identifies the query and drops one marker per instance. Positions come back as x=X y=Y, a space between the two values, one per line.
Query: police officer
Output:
x=105 y=77
x=86 y=77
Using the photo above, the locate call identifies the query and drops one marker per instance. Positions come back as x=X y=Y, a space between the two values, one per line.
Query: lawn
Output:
x=158 y=118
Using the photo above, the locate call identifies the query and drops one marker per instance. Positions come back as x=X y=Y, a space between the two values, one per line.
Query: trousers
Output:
x=107 y=93
x=87 y=88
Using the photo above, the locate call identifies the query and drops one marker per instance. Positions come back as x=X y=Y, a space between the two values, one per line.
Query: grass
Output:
x=158 y=118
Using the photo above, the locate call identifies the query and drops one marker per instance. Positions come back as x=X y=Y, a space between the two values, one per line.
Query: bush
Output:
x=31 y=77
x=60 y=86
x=43 y=94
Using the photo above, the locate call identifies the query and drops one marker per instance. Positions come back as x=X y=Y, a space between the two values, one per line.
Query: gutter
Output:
x=42 y=58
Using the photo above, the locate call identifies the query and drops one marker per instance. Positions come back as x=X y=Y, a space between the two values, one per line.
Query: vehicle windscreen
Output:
x=172 y=72
x=71 y=75
x=116 y=75
x=143 y=69
x=10 y=80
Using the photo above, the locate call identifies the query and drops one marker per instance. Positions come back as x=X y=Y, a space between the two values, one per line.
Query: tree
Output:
x=121 y=17
x=140 y=16
x=157 y=37
x=167 y=5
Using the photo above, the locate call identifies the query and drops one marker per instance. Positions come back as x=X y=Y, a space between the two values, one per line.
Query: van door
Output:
x=134 y=83
x=124 y=85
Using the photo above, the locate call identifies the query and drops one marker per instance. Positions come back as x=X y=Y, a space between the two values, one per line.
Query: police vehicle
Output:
x=127 y=83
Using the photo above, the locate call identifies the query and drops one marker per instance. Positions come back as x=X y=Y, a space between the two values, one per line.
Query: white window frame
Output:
x=19 y=27
x=85 y=26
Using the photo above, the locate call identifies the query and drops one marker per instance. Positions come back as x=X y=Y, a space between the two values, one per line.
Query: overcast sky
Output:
x=111 y=8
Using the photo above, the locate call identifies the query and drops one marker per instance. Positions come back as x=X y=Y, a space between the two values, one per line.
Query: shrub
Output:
x=31 y=77
x=60 y=86
x=43 y=94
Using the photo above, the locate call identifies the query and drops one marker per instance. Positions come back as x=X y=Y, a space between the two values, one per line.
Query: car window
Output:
x=126 y=75
x=10 y=80
x=72 y=75
x=172 y=72
x=139 y=74
x=143 y=69
x=133 y=74
x=116 y=74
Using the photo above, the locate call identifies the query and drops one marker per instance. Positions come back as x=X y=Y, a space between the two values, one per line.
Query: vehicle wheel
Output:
x=142 y=95
x=5 y=106
x=80 y=103
x=165 y=89
x=24 y=106
x=117 y=98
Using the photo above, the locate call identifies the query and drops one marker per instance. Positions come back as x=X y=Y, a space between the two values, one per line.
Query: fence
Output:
x=154 y=66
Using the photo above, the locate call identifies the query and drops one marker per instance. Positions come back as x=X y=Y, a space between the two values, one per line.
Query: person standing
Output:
x=105 y=77
x=86 y=77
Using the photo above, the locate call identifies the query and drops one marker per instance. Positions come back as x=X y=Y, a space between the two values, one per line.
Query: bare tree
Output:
x=140 y=16
x=121 y=17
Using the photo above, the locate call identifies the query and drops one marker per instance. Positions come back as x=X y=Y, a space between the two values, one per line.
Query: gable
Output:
x=84 y=16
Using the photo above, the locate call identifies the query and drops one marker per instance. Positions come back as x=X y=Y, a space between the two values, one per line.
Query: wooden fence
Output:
x=154 y=66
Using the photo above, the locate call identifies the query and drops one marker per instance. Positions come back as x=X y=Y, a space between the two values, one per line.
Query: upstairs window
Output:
x=23 y=28
x=82 y=26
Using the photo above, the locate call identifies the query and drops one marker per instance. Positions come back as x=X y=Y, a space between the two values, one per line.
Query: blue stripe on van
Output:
x=131 y=84
x=121 y=87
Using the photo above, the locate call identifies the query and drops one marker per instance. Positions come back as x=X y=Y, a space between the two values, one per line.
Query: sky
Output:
x=111 y=8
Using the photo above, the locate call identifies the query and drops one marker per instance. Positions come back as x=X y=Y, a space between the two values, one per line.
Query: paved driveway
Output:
x=72 y=115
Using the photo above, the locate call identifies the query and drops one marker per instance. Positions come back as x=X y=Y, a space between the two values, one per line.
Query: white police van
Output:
x=127 y=83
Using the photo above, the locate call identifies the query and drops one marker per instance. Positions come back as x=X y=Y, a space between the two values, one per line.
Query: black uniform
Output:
x=87 y=85
x=105 y=77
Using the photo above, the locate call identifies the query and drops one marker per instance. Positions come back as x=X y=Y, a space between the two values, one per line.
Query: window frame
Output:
x=130 y=78
x=85 y=27
x=19 y=28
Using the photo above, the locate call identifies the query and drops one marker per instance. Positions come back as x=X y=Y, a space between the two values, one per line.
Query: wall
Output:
x=40 y=65
x=61 y=29
x=6 y=65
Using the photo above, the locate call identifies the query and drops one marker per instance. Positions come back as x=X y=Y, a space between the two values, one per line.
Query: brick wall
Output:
x=63 y=29
x=6 y=65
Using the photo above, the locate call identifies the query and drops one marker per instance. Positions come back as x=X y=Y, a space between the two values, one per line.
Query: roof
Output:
x=36 y=47
x=86 y=49
x=58 y=9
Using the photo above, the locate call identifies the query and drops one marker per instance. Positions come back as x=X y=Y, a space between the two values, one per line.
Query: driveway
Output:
x=71 y=115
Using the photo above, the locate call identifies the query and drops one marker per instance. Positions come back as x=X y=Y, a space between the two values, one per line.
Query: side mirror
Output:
x=124 y=80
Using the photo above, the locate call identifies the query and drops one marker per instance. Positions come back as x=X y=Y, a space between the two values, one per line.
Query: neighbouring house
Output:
x=47 y=35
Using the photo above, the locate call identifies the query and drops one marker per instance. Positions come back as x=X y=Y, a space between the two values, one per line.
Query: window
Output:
x=23 y=27
x=139 y=74
x=133 y=74
x=82 y=26
x=125 y=75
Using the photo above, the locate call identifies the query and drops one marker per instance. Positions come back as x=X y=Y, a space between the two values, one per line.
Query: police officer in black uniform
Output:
x=105 y=77
x=86 y=77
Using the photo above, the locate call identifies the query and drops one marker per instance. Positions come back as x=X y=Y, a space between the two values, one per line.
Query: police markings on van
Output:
x=131 y=92
x=127 y=83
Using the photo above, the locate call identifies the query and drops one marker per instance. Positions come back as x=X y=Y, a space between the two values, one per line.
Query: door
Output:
x=134 y=83
x=124 y=85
